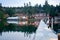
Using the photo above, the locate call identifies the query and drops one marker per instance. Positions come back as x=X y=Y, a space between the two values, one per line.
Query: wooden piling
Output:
x=58 y=36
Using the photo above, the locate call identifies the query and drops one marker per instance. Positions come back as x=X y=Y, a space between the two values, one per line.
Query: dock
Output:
x=45 y=33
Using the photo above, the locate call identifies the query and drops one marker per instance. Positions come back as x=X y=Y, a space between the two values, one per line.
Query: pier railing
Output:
x=57 y=20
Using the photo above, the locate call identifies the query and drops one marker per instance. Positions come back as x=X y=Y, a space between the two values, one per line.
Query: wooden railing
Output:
x=57 y=20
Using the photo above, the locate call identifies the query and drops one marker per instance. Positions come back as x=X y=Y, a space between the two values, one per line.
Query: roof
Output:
x=12 y=17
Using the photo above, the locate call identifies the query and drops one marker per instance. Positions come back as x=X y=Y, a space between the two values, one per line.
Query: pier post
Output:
x=52 y=23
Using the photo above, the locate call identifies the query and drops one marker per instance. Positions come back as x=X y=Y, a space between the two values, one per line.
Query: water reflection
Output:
x=17 y=32
x=15 y=29
x=28 y=31
x=0 y=33
x=25 y=28
x=21 y=23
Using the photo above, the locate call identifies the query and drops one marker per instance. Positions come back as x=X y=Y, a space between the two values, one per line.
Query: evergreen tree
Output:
x=46 y=8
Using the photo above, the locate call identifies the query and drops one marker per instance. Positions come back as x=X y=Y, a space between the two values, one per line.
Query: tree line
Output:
x=29 y=10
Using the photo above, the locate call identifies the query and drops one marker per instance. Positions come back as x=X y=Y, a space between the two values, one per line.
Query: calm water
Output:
x=16 y=36
x=13 y=31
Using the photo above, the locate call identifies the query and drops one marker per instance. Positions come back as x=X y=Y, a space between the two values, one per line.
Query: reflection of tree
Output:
x=34 y=36
x=13 y=27
x=30 y=35
x=27 y=35
x=0 y=33
x=28 y=29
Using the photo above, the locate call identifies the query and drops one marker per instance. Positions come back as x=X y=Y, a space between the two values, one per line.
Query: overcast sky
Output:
x=19 y=3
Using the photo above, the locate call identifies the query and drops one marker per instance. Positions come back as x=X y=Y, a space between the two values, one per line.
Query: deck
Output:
x=45 y=33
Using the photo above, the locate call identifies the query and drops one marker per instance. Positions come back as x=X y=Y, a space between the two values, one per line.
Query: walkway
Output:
x=45 y=33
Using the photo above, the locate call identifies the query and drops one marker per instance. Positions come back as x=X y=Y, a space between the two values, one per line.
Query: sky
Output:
x=19 y=3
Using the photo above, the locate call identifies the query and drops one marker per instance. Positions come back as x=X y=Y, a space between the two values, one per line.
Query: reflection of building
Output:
x=23 y=23
x=35 y=23
x=22 y=19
